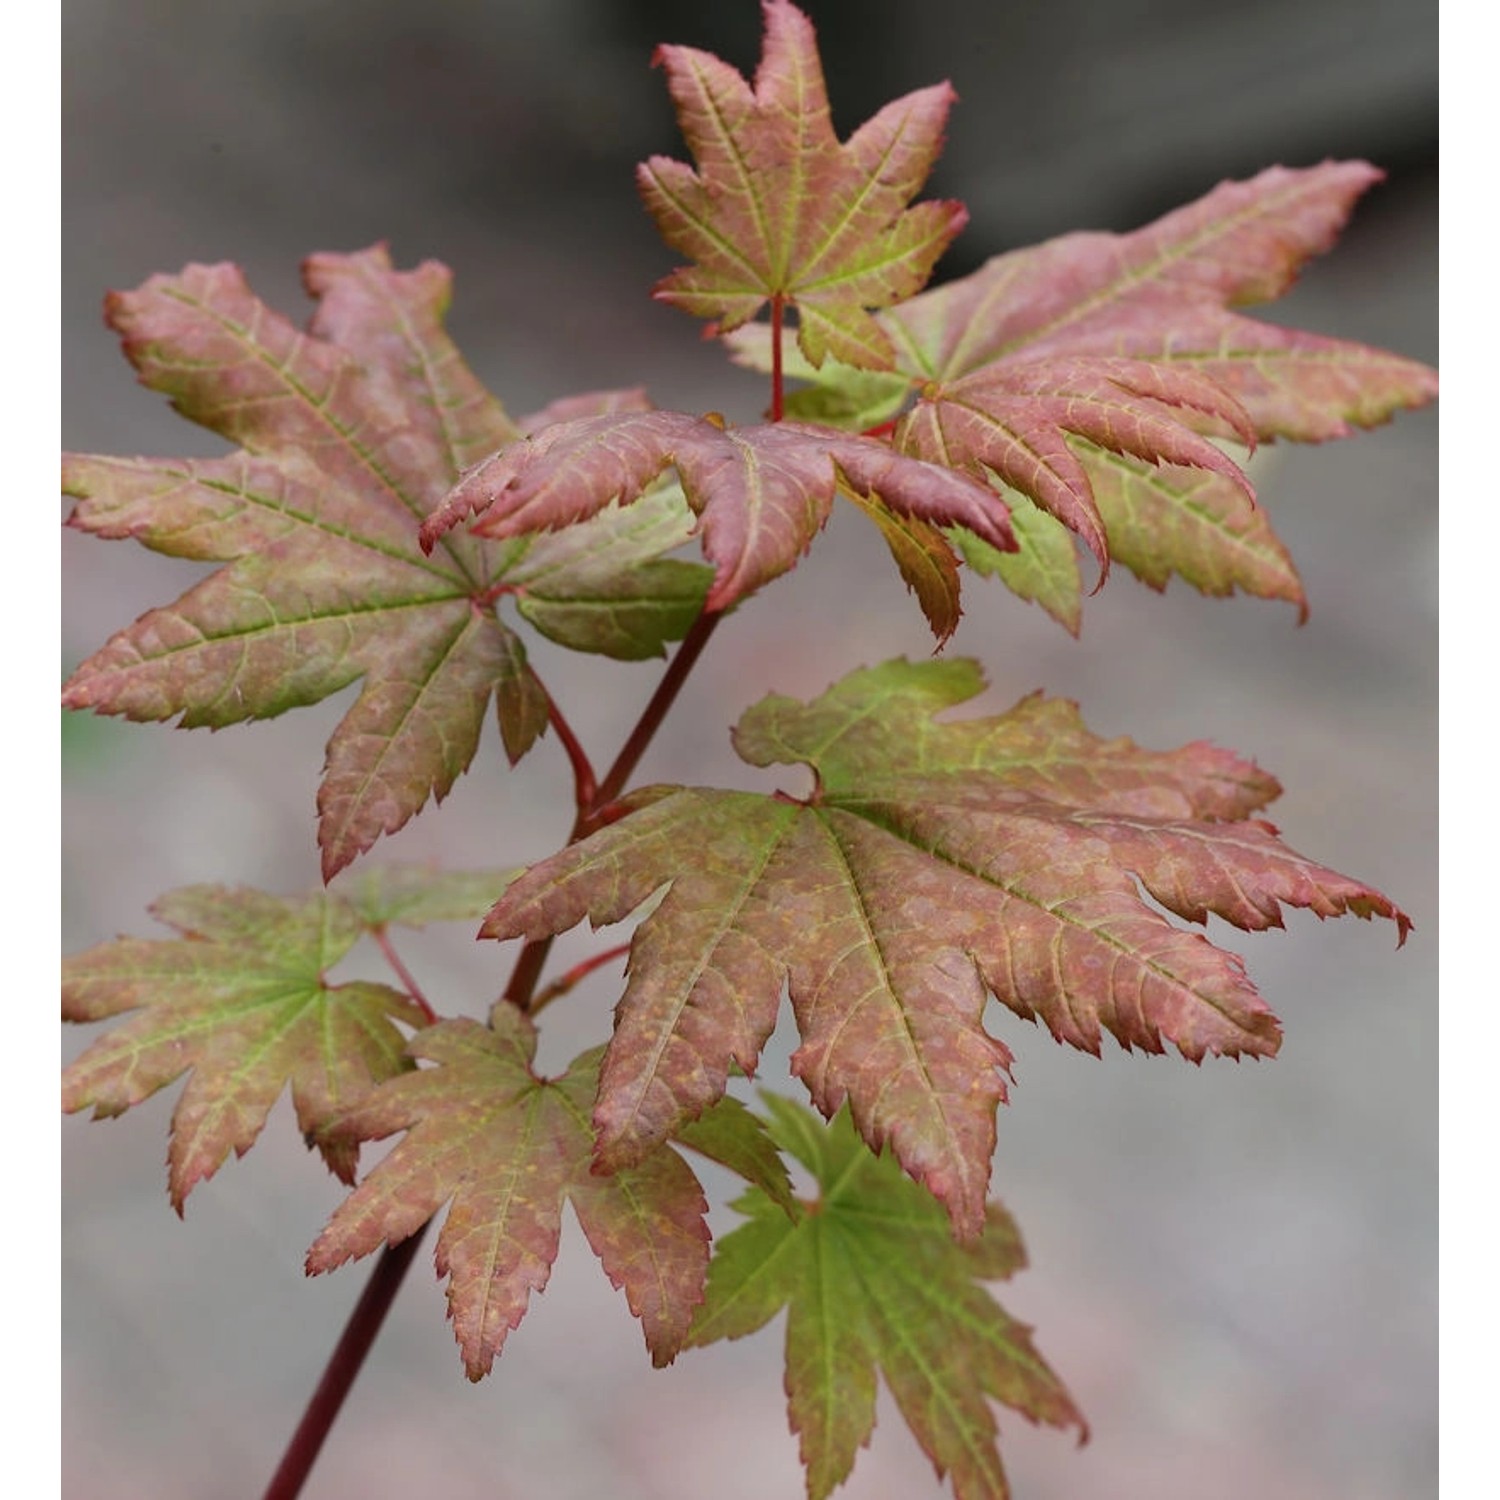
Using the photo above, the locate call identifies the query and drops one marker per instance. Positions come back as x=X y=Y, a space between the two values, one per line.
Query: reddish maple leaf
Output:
x=762 y=493
x=872 y=1281
x=1084 y=374
x=934 y=862
x=508 y=1149
x=241 y=1000
x=350 y=433
x=778 y=208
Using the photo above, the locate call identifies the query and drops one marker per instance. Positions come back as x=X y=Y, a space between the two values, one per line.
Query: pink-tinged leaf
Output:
x=241 y=1001
x=936 y=863
x=1015 y=420
x=505 y=1149
x=778 y=207
x=761 y=493
x=349 y=434
x=1087 y=372
x=392 y=321
x=1163 y=520
x=873 y=1282
x=1126 y=343
x=584 y=404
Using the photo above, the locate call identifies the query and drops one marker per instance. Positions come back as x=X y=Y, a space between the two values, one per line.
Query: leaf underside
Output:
x=762 y=493
x=937 y=863
x=349 y=434
x=872 y=1280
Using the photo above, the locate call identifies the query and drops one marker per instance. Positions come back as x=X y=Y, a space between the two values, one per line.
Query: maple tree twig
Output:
x=654 y=712
x=585 y=784
x=383 y=941
x=533 y=956
x=580 y=971
x=343 y=1365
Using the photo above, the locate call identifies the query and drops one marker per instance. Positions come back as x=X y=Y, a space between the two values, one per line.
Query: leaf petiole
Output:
x=408 y=980
x=579 y=972
x=585 y=784
x=778 y=384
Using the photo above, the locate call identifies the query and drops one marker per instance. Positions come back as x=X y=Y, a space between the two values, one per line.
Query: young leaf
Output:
x=778 y=208
x=1085 y=372
x=349 y=434
x=762 y=493
x=731 y=1135
x=241 y=1000
x=872 y=1281
x=508 y=1148
x=933 y=863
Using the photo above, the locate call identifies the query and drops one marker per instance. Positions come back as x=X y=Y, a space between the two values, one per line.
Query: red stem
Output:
x=585 y=787
x=579 y=972
x=380 y=1291
x=654 y=712
x=404 y=974
x=533 y=955
x=343 y=1365
x=778 y=398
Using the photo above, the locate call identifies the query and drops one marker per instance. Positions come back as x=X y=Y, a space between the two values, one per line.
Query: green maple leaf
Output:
x=241 y=1000
x=509 y=1149
x=934 y=863
x=872 y=1281
x=350 y=434
x=778 y=207
x=1088 y=374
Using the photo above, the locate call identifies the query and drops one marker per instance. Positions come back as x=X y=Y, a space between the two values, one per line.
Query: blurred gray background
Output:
x=1234 y=1266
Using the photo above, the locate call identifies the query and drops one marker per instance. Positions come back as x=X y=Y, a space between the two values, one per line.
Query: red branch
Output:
x=343 y=1365
x=594 y=802
x=404 y=974
x=585 y=786
x=579 y=972
x=533 y=955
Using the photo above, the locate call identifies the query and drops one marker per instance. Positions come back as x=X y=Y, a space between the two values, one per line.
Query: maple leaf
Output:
x=872 y=1280
x=508 y=1148
x=933 y=863
x=350 y=434
x=1088 y=373
x=779 y=209
x=241 y=1000
x=762 y=493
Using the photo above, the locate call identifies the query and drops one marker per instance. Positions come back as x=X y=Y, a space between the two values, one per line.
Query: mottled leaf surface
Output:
x=778 y=207
x=348 y=435
x=761 y=493
x=505 y=1150
x=873 y=1282
x=935 y=862
x=240 y=1000
x=1090 y=373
